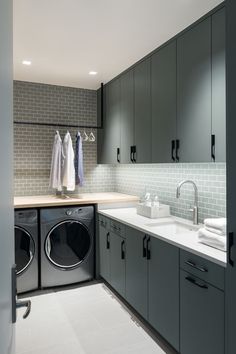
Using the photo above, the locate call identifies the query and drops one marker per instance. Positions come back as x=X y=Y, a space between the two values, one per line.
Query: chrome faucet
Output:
x=195 y=206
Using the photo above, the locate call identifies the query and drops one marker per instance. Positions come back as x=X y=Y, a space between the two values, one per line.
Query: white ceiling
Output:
x=65 y=39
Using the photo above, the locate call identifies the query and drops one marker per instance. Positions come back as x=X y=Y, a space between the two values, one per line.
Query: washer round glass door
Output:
x=24 y=249
x=68 y=244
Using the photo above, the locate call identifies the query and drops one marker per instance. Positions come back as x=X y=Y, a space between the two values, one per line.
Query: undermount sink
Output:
x=173 y=226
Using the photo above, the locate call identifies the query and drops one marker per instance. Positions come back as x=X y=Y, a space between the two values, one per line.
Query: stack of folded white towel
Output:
x=213 y=233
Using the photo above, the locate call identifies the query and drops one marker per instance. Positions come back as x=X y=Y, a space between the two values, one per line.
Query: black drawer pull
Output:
x=134 y=154
x=191 y=264
x=131 y=154
x=144 y=247
x=193 y=281
x=118 y=155
x=230 y=248
x=213 y=147
x=177 y=150
x=173 y=150
x=108 y=240
x=122 y=250
x=148 y=248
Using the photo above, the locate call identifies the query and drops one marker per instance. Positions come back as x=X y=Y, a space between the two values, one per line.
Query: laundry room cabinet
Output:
x=112 y=253
x=104 y=248
x=163 y=104
x=163 y=290
x=180 y=294
x=202 y=316
x=117 y=263
x=152 y=282
x=171 y=105
x=109 y=137
x=194 y=93
x=136 y=271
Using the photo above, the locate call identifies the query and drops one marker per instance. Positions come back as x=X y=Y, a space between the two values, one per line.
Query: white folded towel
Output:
x=212 y=239
x=216 y=231
x=219 y=224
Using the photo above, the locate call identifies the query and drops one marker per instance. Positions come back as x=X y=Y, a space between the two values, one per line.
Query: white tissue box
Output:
x=153 y=212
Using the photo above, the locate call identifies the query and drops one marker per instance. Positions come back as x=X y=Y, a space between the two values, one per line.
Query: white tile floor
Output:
x=85 y=320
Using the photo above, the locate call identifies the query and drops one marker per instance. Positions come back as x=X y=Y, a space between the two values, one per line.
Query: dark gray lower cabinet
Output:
x=201 y=316
x=104 y=252
x=136 y=271
x=163 y=299
x=117 y=263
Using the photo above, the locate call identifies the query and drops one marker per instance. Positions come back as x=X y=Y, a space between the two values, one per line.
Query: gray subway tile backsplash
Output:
x=162 y=179
x=33 y=149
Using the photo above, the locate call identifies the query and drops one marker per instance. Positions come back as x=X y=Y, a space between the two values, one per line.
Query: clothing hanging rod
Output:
x=67 y=125
x=58 y=125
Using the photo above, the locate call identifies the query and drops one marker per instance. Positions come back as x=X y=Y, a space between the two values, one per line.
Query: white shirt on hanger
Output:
x=68 y=166
x=55 y=173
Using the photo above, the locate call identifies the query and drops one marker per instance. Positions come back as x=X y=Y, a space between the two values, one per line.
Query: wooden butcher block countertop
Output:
x=83 y=198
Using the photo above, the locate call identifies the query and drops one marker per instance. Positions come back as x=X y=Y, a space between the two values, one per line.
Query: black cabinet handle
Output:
x=118 y=155
x=108 y=240
x=131 y=154
x=148 y=248
x=122 y=250
x=230 y=248
x=134 y=153
x=213 y=147
x=177 y=150
x=172 y=150
x=193 y=281
x=144 y=247
x=192 y=264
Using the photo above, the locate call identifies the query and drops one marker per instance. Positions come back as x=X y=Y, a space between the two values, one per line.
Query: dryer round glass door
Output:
x=24 y=249
x=68 y=244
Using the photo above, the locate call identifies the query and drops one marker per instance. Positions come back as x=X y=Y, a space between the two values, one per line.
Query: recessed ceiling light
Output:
x=26 y=62
x=93 y=73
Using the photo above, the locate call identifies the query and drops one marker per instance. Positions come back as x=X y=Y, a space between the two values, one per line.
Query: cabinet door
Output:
x=117 y=263
x=111 y=133
x=194 y=93
x=136 y=271
x=104 y=252
x=127 y=116
x=219 y=85
x=163 y=280
x=142 y=111
x=163 y=93
x=201 y=317
x=100 y=132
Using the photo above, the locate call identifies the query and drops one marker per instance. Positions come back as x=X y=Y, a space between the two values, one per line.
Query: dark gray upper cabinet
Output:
x=194 y=93
x=111 y=132
x=142 y=111
x=163 y=103
x=136 y=271
x=201 y=316
x=100 y=132
x=163 y=280
x=117 y=263
x=219 y=85
x=127 y=116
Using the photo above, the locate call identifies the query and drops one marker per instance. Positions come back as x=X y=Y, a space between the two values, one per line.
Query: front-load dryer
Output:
x=67 y=245
x=26 y=249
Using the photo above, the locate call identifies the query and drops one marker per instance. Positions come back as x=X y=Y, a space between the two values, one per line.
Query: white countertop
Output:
x=187 y=240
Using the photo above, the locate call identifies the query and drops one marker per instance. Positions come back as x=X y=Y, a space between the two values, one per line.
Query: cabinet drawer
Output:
x=201 y=316
x=202 y=268
x=117 y=228
x=103 y=221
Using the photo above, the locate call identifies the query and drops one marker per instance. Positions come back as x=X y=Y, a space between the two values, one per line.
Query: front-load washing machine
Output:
x=67 y=245
x=26 y=249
